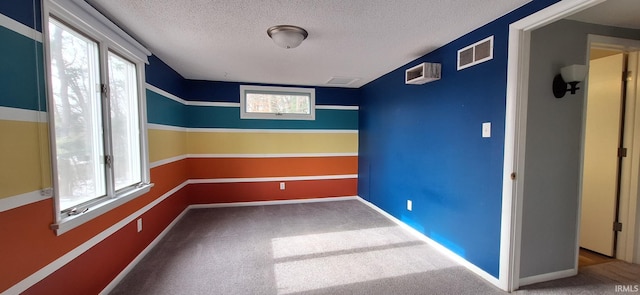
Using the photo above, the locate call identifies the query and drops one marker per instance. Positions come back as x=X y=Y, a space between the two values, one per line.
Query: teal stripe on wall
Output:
x=165 y=111
x=229 y=117
x=22 y=72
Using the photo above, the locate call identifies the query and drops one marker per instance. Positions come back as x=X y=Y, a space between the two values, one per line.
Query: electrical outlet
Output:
x=139 y=224
x=282 y=186
x=409 y=205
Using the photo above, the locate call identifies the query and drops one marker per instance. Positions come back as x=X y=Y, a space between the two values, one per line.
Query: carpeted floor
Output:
x=341 y=247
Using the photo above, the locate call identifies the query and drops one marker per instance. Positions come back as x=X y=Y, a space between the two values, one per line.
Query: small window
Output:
x=475 y=53
x=278 y=103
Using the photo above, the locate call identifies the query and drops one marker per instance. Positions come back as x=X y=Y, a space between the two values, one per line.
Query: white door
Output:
x=600 y=167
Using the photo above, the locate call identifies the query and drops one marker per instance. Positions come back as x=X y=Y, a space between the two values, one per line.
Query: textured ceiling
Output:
x=224 y=40
x=617 y=13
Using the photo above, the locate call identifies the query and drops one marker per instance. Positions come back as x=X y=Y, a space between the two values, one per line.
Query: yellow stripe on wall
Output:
x=270 y=143
x=24 y=148
x=165 y=144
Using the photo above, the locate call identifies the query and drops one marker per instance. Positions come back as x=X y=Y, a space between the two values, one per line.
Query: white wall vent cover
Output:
x=475 y=53
x=423 y=73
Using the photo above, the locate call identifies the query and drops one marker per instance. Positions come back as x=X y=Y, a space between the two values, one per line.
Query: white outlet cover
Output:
x=409 y=205
x=486 y=129
x=282 y=186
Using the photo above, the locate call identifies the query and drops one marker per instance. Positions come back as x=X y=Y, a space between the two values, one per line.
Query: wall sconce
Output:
x=568 y=80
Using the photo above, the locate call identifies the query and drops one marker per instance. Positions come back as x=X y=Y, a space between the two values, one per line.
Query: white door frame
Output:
x=515 y=133
x=630 y=165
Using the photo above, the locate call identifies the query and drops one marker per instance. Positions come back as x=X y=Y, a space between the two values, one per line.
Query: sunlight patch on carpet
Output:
x=338 y=241
x=363 y=264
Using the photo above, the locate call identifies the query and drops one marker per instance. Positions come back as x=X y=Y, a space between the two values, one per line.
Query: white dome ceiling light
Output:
x=287 y=36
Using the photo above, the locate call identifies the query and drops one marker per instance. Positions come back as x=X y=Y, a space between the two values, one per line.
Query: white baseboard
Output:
x=450 y=254
x=278 y=202
x=142 y=254
x=548 y=277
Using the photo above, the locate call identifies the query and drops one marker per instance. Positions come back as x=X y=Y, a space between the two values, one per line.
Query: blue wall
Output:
x=23 y=11
x=159 y=73
x=424 y=143
x=199 y=90
x=166 y=111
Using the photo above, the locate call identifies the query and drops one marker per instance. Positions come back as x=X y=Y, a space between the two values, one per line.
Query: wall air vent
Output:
x=423 y=73
x=475 y=53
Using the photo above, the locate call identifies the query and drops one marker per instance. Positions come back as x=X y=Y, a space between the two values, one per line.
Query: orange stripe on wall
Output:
x=28 y=243
x=208 y=168
x=90 y=272
x=208 y=193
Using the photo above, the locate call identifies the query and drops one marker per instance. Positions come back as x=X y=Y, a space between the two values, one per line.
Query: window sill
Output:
x=70 y=222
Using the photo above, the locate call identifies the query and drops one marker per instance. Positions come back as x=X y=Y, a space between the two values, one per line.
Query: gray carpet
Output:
x=341 y=247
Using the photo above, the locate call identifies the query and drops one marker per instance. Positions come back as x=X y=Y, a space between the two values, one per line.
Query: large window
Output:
x=97 y=118
x=263 y=102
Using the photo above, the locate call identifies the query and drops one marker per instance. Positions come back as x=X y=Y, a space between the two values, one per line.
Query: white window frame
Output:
x=82 y=17
x=244 y=89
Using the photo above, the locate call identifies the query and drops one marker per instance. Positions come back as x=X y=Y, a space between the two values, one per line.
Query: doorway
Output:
x=603 y=149
x=608 y=182
x=544 y=217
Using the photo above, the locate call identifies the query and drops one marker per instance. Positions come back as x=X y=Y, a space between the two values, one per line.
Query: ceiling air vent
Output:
x=341 y=81
x=475 y=53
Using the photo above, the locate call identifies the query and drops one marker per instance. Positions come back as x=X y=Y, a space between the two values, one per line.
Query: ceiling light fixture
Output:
x=287 y=36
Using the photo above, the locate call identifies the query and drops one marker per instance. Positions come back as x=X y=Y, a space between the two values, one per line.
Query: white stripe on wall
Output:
x=191 y=103
x=16 y=114
x=73 y=254
x=232 y=104
x=19 y=28
x=234 y=130
x=16 y=201
x=166 y=94
x=213 y=156
x=21 y=200
x=167 y=161
x=213 y=104
x=271 y=203
x=337 y=107
x=165 y=127
x=241 y=156
x=237 y=130
x=272 y=179
x=318 y=155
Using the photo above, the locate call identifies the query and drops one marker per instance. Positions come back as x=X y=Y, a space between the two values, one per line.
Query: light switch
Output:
x=486 y=129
